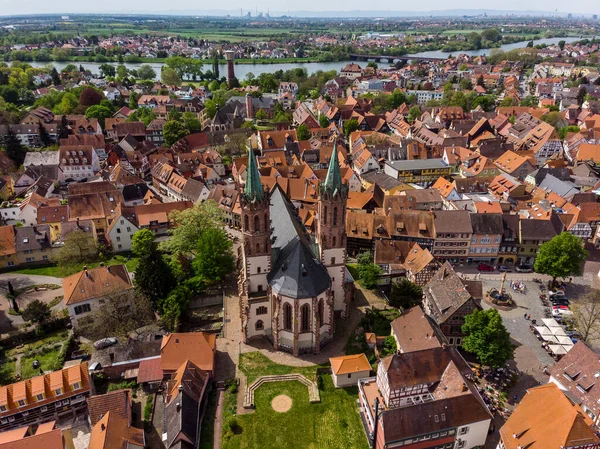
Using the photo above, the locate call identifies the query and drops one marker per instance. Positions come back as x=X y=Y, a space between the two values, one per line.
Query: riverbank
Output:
x=144 y=60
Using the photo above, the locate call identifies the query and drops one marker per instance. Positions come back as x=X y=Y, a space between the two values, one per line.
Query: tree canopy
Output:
x=214 y=256
x=561 y=257
x=36 y=312
x=174 y=131
x=487 y=338
x=405 y=294
x=303 y=132
x=79 y=247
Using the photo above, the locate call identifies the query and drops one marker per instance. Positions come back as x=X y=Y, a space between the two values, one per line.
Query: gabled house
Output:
x=546 y=419
x=447 y=299
x=87 y=290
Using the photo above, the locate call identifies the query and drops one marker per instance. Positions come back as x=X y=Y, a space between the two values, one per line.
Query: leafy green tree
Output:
x=561 y=257
x=530 y=101
x=396 y=99
x=191 y=122
x=414 y=113
x=122 y=72
x=302 y=132
x=406 y=294
x=146 y=72
x=174 y=306
x=350 y=126
x=214 y=256
x=153 y=277
x=261 y=115
x=106 y=70
x=561 y=45
x=369 y=272
x=211 y=108
x=389 y=346
x=323 y=121
x=36 y=312
x=465 y=84
x=189 y=225
x=170 y=77
x=487 y=338
x=98 y=111
x=562 y=132
x=174 y=131
x=492 y=35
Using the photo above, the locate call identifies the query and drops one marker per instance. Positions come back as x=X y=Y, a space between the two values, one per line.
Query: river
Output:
x=241 y=70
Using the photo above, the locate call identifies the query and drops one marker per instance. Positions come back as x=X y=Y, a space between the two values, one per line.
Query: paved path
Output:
x=218 y=420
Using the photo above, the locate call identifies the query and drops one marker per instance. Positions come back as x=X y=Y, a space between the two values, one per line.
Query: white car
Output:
x=561 y=312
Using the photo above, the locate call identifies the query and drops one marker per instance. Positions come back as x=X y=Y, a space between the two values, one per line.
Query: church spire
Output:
x=253 y=191
x=333 y=181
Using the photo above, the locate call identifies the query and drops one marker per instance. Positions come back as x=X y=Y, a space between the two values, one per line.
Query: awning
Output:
x=550 y=322
x=551 y=339
x=558 y=349
x=543 y=330
x=564 y=340
x=558 y=331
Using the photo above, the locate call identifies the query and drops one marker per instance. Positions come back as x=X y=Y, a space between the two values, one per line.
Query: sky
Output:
x=8 y=7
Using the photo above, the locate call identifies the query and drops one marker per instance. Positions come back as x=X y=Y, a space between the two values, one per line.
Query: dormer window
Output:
x=58 y=391
x=40 y=397
x=76 y=386
x=21 y=403
x=3 y=408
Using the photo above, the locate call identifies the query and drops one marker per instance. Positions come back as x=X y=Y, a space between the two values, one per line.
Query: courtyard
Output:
x=283 y=416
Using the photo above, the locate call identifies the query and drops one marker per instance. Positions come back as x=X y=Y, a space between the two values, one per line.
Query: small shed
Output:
x=346 y=370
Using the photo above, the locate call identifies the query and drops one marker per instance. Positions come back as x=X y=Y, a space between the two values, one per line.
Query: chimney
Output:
x=178 y=407
x=108 y=269
x=180 y=388
x=249 y=107
x=102 y=427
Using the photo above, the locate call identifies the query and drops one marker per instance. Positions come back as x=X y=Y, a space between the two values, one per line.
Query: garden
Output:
x=332 y=423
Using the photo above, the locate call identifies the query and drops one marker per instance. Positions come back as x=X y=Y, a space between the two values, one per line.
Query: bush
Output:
x=148 y=408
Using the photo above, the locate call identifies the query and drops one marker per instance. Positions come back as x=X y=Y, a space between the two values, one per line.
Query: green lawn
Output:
x=48 y=362
x=7 y=372
x=62 y=271
x=55 y=337
x=332 y=424
x=254 y=365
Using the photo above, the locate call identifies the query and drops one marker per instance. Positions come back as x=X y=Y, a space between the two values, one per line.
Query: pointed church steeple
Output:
x=253 y=191
x=333 y=180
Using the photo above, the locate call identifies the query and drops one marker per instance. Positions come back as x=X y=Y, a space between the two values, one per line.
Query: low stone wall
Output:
x=313 y=389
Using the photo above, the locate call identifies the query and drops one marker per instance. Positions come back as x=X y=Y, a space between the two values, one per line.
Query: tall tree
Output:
x=303 y=132
x=146 y=72
x=62 y=130
x=487 y=338
x=153 y=277
x=216 y=66
x=214 y=256
x=561 y=257
x=174 y=131
x=89 y=97
x=189 y=225
x=350 y=126
x=170 y=77
x=405 y=294
x=44 y=135
x=13 y=147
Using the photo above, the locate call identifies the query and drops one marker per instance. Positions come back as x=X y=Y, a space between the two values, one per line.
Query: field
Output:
x=334 y=423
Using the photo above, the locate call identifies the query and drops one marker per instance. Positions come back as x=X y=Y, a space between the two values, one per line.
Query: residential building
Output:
x=87 y=290
x=508 y=251
x=8 y=251
x=121 y=230
x=546 y=419
x=78 y=162
x=115 y=431
x=45 y=398
x=423 y=399
x=185 y=402
x=33 y=244
x=347 y=370
x=195 y=347
x=453 y=233
x=45 y=436
x=420 y=171
x=486 y=239
x=447 y=299
x=533 y=233
x=575 y=374
x=414 y=331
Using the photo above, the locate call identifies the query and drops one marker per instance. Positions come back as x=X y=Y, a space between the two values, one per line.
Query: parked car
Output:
x=561 y=302
x=504 y=269
x=561 y=312
x=556 y=293
x=105 y=343
x=524 y=269
x=485 y=267
x=560 y=307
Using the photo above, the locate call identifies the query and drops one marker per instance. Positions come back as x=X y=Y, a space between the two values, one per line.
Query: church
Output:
x=292 y=285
